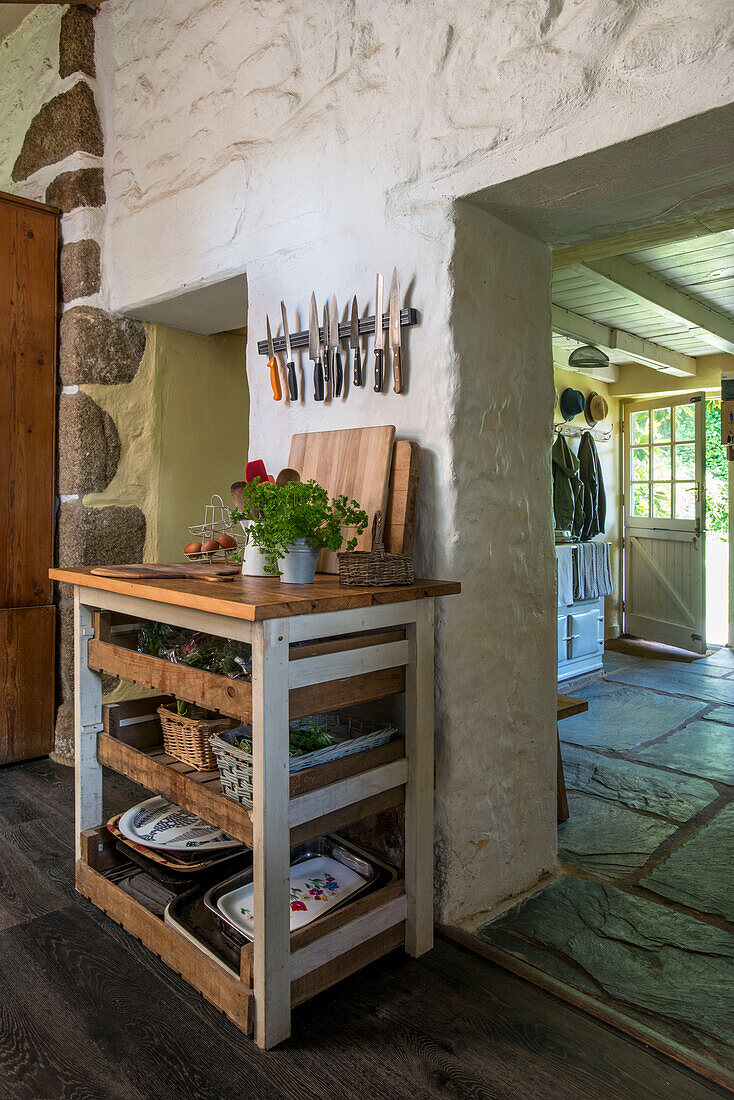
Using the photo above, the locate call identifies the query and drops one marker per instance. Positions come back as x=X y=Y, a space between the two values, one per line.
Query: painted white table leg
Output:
x=271 y=832
x=87 y=724
x=419 y=788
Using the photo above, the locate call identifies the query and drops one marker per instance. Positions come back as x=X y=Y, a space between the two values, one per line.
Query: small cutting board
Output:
x=199 y=570
x=354 y=462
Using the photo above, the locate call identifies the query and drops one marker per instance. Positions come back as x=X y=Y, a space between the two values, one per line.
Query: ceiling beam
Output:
x=612 y=339
x=640 y=287
x=700 y=226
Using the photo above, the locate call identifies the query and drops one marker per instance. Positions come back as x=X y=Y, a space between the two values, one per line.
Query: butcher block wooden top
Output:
x=257 y=598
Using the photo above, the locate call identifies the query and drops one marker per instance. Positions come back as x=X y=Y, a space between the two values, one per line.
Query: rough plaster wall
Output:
x=497 y=749
x=609 y=456
x=314 y=144
x=182 y=423
x=29 y=75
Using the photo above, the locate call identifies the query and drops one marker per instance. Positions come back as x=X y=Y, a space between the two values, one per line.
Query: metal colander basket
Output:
x=351 y=735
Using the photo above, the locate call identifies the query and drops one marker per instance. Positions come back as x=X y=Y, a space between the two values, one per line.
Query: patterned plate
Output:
x=317 y=885
x=157 y=823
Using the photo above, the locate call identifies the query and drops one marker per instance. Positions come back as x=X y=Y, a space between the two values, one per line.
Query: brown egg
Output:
x=209 y=545
x=192 y=548
x=227 y=542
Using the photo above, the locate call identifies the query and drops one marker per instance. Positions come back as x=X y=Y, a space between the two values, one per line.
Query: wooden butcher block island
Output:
x=315 y=649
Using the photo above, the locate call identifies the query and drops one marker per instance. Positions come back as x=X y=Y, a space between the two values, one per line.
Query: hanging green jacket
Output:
x=568 y=491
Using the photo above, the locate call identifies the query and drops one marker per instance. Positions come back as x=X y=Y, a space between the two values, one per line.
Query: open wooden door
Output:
x=664 y=501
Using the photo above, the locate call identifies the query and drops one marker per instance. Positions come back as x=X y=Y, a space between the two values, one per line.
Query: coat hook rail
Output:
x=408 y=317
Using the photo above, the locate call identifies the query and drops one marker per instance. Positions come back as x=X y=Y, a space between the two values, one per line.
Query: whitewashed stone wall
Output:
x=312 y=144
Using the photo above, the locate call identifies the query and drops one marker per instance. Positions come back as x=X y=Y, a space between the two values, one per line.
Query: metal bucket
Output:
x=299 y=564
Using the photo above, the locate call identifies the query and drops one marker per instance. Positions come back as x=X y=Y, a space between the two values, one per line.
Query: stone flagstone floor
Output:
x=642 y=918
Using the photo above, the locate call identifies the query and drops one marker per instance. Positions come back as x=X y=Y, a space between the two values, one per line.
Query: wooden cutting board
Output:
x=199 y=570
x=353 y=461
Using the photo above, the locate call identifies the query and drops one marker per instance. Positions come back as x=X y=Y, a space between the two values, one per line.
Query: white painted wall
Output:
x=314 y=144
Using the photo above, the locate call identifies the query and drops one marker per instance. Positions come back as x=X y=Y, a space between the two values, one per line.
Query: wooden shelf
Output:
x=233 y=698
x=321 y=954
x=382 y=772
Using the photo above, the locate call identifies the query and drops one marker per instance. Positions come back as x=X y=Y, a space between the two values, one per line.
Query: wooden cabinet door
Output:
x=27 y=685
x=28 y=248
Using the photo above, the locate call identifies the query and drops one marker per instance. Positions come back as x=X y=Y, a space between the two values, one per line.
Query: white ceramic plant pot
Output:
x=299 y=564
x=254 y=561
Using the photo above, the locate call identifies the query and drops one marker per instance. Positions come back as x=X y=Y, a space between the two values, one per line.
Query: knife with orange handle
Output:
x=273 y=365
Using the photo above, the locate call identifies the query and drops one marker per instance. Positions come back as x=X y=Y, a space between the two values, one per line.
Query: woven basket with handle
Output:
x=187 y=736
x=375 y=566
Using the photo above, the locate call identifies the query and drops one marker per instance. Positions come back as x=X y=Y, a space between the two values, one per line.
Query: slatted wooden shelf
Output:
x=233 y=698
x=321 y=954
x=323 y=798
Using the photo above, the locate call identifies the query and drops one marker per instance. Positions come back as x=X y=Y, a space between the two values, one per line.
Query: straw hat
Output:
x=596 y=408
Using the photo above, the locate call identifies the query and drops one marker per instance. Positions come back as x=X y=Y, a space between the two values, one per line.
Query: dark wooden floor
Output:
x=87 y=1013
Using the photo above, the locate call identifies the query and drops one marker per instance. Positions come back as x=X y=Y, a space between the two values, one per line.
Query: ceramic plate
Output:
x=317 y=885
x=157 y=823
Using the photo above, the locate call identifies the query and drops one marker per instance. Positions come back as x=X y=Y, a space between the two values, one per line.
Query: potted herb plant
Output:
x=294 y=522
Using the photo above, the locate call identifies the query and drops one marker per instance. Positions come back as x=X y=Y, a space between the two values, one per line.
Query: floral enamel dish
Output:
x=158 y=823
x=325 y=873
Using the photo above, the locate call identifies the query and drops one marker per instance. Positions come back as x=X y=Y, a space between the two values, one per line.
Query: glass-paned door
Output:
x=664 y=502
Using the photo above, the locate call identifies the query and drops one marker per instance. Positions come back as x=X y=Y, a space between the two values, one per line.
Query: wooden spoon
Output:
x=237 y=494
x=287 y=475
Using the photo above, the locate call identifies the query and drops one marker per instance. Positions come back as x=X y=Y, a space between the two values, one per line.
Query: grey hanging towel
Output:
x=592 y=479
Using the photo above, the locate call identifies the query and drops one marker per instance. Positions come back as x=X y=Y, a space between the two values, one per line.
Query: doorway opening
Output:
x=718 y=532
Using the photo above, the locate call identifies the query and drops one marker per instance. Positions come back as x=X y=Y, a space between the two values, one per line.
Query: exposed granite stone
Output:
x=66 y=124
x=622 y=717
x=76 y=42
x=705 y=749
x=99 y=536
x=700 y=873
x=99 y=347
x=662 y=968
x=89 y=446
x=65 y=649
x=64 y=732
x=709 y=689
x=82 y=187
x=607 y=839
x=635 y=785
x=80 y=268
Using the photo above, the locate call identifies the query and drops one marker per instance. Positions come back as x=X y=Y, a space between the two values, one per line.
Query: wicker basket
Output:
x=187 y=737
x=351 y=735
x=375 y=566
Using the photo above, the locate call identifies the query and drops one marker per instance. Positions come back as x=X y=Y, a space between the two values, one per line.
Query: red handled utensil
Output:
x=273 y=364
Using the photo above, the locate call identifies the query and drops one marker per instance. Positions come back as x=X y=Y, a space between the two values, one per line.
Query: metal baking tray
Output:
x=375 y=873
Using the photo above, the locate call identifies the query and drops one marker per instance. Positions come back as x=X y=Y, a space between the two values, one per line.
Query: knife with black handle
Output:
x=290 y=366
x=354 y=345
x=314 y=351
x=379 y=338
x=328 y=354
x=337 y=373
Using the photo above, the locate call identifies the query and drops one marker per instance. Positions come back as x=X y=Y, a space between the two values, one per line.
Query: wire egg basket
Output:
x=217 y=522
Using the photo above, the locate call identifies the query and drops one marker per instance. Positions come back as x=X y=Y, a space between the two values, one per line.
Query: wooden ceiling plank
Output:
x=698 y=226
x=634 y=347
x=641 y=287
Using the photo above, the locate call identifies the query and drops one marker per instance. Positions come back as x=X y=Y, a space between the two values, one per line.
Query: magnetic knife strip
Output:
x=408 y=317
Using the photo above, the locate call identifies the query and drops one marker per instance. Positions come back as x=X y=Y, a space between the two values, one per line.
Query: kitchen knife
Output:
x=290 y=366
x=337 y=375
x=379 y=337
x=314 y=351
x=354 y=344
x=328 y=378
x=394 y=332
x=273 y=364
